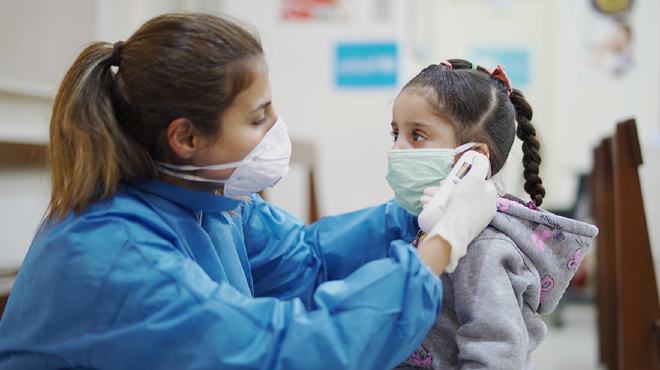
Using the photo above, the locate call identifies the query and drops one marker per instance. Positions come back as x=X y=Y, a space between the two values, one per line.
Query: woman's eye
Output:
x=259 y=122
x=394 y=135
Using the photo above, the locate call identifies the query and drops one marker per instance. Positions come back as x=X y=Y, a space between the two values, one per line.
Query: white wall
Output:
x=350 y=128
x=38 y=42
x=573 y=108
x=587 y=105
x=456 y=28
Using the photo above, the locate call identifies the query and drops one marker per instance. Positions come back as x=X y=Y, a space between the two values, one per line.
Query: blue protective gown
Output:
x=161 y=277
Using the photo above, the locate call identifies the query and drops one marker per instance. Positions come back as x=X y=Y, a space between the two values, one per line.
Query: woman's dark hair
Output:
x=482 y=110
x=116 y=101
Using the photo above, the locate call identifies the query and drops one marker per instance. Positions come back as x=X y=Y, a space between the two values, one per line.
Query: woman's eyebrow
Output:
x=262 y=106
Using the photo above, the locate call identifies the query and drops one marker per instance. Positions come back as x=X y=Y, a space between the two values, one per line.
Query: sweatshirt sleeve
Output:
x=491 y=330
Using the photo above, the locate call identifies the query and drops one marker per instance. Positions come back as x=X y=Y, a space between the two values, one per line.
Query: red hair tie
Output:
x=500 y=74
x=447 y=64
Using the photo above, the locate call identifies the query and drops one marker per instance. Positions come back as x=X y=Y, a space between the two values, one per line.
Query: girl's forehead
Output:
x=416 y=106
x=414 y=109
x=411 y=102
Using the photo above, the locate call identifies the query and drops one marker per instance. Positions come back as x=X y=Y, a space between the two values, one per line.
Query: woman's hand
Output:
x=470 y=208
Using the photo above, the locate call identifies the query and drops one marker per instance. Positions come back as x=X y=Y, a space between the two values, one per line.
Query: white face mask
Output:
x=262 y=168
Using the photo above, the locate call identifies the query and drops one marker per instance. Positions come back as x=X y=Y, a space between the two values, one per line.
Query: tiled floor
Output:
x=572 y=346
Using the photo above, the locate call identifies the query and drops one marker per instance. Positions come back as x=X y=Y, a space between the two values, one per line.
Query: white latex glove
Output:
x=427 y=196
x=470 y=208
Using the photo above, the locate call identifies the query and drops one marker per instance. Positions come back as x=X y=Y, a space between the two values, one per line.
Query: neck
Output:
x=207 y=187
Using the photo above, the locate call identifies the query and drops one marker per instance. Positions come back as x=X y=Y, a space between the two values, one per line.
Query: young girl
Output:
x=519 y=267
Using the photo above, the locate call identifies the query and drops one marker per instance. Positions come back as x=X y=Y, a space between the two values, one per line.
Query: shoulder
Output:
x=491 y=249
x=492 y=241
x=105 y=226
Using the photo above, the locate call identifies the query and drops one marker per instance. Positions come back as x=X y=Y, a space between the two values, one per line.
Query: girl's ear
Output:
x=482 y=148
x=478 y=147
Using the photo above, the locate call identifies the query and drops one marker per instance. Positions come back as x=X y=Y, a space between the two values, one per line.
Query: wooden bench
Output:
x=628 y=304
x=6 y=280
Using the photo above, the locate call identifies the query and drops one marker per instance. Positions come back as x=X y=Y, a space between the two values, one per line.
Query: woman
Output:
x=156 y=254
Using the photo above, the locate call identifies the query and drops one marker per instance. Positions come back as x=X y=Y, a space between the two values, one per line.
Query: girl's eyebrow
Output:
x=422 y=124
x=414 y=123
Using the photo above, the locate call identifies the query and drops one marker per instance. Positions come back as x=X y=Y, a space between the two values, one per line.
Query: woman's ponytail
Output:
x=530 y=147
x=89 y=153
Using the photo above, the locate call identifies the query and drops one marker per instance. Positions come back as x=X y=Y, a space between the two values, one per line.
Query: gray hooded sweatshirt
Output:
x=516 y=270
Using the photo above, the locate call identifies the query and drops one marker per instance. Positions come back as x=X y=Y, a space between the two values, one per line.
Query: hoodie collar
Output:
x=188 y=198
x=553 y=244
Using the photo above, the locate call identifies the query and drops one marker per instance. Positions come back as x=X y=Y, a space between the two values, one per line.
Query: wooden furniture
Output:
x=303 y=153
x=6 y=280
x=603 y=212
x=628 y=304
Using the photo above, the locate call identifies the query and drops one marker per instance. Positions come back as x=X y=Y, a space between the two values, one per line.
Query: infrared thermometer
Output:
x=436 y=207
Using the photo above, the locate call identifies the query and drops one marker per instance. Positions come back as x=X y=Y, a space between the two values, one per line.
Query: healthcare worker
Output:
x=156 y=254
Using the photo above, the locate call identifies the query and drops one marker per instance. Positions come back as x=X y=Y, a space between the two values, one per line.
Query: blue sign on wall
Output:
x=366 y=65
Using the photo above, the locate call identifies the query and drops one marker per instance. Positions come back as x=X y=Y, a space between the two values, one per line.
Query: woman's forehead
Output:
x=258 y=92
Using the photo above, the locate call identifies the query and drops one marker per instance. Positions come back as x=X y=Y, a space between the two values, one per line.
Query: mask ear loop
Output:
x=189 y=177
x=189 y=167
x=463 y=148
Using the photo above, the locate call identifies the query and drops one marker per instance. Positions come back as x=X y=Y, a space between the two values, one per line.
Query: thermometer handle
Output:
x=435 y=208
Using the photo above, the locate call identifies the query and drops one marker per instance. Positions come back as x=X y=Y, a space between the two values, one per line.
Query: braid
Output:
x=530 y=146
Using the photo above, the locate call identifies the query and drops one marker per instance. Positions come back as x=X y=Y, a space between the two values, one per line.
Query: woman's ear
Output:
x=182 y=138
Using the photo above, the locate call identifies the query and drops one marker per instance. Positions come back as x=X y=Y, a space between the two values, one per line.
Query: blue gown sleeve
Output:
x=162 y=311
x=289 y=259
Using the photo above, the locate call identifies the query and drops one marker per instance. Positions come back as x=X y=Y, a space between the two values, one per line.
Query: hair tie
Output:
x=447 y=64
x=500 y=74
x=474 y=66
x=115 y=58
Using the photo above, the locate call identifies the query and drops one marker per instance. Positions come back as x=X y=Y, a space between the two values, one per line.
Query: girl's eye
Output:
x=394 y=135
x=417 y=137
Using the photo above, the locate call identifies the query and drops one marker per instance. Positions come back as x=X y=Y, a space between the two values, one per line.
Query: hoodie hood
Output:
x=553 y=245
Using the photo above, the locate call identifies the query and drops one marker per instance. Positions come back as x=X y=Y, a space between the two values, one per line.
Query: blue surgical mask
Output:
x=410 y=171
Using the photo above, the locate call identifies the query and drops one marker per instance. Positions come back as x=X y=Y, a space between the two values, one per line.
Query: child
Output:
x=519 y=267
